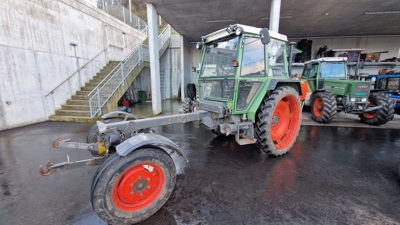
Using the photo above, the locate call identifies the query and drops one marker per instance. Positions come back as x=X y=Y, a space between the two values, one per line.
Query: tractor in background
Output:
x=390 y=85
x=330 y=90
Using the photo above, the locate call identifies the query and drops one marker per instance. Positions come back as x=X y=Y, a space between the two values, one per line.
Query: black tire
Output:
x=323 y=107
x=124 y=192
x=278 y=121
x=187 y=105
x=382 y=115
x=191 y=91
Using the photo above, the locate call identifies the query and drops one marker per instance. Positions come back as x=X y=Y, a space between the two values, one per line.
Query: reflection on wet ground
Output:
x=332 y=175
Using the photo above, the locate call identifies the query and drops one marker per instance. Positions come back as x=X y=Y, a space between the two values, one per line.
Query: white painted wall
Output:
x=37 y=54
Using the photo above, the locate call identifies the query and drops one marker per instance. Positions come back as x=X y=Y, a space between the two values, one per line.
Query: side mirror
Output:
x=265 y=38
x=194 y=69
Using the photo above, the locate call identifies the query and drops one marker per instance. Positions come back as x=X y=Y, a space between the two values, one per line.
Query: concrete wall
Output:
x=42 y=44
x=371 y=44
x=170 y=67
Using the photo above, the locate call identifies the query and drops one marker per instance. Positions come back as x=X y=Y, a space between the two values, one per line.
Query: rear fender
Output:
x=127 y=116
x=148 y=140
x=273 y=84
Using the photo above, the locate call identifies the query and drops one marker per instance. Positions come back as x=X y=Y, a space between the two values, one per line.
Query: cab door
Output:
x=310 y=74
x=251 y=72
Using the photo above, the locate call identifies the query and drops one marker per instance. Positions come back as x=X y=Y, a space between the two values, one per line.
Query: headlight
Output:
x=364 y=99
x=353 y=99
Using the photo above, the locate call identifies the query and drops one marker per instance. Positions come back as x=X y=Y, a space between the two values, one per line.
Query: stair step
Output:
x=80 y=119
x=82 y=93
x=91 y=84
x=80 y=97
x=76 y=107
x=87 y=88
x=77 y=102
x=62 y=112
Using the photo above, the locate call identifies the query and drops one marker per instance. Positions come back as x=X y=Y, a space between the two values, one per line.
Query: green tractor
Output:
x=245 y=72
x=244 y=90
x=329 y=91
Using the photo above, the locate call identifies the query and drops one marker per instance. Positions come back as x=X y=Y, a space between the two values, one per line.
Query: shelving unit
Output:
x=391 y=64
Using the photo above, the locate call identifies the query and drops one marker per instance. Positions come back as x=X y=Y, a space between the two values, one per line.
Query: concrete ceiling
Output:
x=310 y=18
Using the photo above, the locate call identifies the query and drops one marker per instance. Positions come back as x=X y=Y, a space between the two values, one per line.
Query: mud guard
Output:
x=148 y=139
x=136 y=142
x=117 y=114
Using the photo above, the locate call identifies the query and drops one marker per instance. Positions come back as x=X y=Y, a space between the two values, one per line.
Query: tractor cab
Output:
x=237 y=64
x=317 y=71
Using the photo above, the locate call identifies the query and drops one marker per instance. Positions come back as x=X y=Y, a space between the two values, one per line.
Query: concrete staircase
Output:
x=77 y=109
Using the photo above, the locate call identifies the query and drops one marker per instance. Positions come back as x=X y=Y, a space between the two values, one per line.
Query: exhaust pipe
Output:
x=291 y=49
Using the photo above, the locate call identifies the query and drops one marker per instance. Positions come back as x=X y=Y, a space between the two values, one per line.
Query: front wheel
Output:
x=278 y=121
x=132 y=188
x=323 y=107
x=379 y=116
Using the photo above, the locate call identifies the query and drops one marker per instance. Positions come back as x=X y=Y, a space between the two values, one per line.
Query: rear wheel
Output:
x=278 y=121
x=132 y=188
x=323 y=107
x=191 y=91
x=187 y=105
x=379 y=116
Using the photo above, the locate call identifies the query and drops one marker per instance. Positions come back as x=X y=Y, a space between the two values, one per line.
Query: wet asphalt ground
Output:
x=343 y=173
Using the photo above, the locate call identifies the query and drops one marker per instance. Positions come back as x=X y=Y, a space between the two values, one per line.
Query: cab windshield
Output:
x=218 y=59
x=217 y=76
x=333 y=70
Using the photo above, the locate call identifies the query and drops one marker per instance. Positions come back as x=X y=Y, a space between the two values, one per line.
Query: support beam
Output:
x=274 y=15
x=152 y=21
x=183 y=89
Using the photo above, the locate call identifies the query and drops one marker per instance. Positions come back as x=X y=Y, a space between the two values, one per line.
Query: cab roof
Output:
x=328 y=59
x=222 y=33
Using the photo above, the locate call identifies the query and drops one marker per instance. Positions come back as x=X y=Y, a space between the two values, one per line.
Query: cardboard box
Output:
x=371 y=57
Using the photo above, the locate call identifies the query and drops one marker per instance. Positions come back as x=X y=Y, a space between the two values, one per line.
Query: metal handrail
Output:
x=69 y=77
x=113 y=70
x=99 y=96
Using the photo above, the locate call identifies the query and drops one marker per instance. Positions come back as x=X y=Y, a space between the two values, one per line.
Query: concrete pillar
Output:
x=183 y=89
x=154 y=58
x=274 y=15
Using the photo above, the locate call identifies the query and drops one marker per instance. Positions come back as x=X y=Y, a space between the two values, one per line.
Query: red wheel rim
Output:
x=371 y=103
x=317 y=107
x=138 y=187
x=285 y=122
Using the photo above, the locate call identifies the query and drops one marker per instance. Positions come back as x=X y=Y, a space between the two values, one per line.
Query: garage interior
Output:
x=344 y=172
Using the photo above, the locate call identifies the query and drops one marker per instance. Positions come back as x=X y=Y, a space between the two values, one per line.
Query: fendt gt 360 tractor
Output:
x=244 y=90
x=329 y=91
